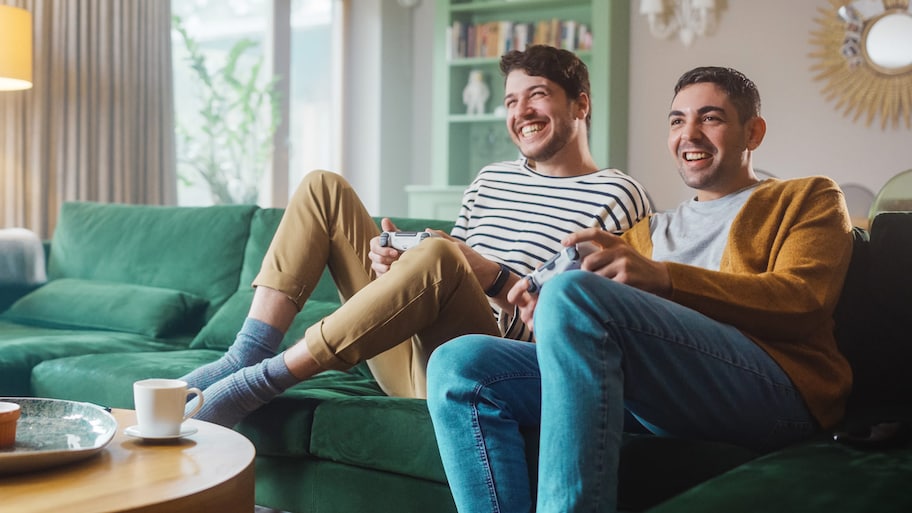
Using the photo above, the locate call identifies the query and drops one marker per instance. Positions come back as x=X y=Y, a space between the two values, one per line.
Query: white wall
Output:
x=770 y=42
x=378 y=134
x=422 y=90
x=361 y=144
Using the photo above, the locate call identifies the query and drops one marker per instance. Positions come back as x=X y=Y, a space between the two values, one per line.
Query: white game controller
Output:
x=567 y=259
x=403 y=240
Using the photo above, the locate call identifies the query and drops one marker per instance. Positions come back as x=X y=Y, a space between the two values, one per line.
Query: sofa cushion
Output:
x=95 y=305
x=107 y=379
x=312 y=485
x=814 y=477
x=22 y=347
x=382 y=433
x=283 y=426
x=219 y=333
x=194 y=249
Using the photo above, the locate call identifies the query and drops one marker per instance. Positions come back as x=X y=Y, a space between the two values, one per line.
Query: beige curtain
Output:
x=98 y=123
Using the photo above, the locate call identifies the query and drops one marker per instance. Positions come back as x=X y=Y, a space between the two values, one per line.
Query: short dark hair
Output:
x=560 y=66
x=741 y=90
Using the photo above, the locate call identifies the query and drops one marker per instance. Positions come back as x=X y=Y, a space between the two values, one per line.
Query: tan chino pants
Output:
x=428 y=296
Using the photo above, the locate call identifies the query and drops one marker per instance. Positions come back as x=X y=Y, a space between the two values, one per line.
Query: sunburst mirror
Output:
x=863 y=50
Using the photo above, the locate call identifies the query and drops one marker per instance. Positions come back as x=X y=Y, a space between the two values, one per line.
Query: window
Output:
x=302 y=43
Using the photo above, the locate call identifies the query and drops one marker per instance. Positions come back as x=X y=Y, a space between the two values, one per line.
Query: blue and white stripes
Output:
x=515 y=216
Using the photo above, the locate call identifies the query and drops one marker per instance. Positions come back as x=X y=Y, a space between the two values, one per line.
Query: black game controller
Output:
x=567 y=259
x=403 y=240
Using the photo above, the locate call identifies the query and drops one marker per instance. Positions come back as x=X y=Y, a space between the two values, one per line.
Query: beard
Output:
x=696 y=181
x=562 y=132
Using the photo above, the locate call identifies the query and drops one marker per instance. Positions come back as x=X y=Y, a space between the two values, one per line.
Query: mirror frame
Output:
x=858 y=85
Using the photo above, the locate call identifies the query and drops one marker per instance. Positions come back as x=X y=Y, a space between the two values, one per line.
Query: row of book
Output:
x=495 y=38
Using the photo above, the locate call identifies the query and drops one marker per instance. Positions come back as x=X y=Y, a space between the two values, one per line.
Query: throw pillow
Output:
x=98 y=305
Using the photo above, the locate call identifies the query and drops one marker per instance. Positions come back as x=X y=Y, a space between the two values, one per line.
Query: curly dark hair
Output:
x=560 y=66
x=741 y=90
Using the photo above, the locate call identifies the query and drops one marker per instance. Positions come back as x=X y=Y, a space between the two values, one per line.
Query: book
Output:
x=495 y=38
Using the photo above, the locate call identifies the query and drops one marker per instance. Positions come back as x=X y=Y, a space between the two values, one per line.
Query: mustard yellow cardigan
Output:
x=779 y=280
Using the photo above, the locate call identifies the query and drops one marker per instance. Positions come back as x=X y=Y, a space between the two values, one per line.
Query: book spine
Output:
x=495 y=38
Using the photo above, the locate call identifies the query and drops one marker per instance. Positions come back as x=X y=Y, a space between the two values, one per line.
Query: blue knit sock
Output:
x=234 y=397
x=254 y=343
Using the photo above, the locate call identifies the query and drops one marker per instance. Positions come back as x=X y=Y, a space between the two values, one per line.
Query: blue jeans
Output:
x=602 y=348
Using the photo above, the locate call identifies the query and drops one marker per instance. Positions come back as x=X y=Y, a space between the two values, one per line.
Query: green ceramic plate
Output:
x=54 y=432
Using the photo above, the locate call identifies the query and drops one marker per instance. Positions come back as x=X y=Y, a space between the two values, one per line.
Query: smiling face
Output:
x=541 y=120
x=711 y=145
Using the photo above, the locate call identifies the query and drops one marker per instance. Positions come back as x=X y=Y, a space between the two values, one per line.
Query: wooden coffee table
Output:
x=209 y=471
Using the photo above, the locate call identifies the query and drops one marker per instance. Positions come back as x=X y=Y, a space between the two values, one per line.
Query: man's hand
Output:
x=614 y=259
x=382 y=257
x=520 y=297
x=618 y=261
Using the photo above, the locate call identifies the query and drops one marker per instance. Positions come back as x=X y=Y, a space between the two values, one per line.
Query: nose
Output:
x=690 y=131
x=522 y=107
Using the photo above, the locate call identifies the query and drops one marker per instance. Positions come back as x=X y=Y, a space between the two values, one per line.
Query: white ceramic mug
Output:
x=160 y=404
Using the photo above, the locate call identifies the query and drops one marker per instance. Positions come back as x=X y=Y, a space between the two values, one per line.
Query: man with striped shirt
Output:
x=401 y=306
x=517 y=216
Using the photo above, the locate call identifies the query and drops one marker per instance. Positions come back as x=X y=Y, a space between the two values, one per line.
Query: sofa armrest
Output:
x=10 y=293
x=873 y=322
x=23 y=264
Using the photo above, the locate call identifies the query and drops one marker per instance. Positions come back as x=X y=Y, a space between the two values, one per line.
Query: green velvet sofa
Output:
x=142 y=291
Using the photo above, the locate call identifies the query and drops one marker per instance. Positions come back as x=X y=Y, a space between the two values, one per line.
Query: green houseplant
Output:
x=228 y=141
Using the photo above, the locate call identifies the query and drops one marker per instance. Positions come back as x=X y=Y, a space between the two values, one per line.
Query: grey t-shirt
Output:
x=696 y=232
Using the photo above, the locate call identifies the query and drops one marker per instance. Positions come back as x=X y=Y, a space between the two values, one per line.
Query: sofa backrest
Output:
x=874 y=319
x=198 y=250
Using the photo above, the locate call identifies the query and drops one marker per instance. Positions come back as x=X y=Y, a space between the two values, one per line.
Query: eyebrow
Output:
x=702 y=110
x=544 y=86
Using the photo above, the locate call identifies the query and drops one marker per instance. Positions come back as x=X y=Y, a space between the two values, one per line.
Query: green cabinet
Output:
x=463 y=143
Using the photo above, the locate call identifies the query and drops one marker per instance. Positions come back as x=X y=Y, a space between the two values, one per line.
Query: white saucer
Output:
x=136 y=433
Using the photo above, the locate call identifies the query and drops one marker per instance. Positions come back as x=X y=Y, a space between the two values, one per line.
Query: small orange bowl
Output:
x=9 y=417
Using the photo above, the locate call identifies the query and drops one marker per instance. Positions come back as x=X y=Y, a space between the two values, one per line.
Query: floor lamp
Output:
x=15 y=49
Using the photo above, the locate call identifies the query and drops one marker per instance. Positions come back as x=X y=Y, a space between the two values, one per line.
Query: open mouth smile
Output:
x=531 y=129
x=691 y=156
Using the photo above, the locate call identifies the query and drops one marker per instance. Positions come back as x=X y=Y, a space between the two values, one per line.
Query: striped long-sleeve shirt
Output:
x=512 y=215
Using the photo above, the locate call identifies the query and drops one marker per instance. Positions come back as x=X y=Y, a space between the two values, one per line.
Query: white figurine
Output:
x=476 y=93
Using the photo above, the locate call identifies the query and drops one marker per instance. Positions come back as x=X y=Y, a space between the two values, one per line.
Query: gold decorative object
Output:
x=862 y=85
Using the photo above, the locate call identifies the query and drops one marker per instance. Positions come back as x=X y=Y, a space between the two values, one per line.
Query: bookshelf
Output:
x=471 y=35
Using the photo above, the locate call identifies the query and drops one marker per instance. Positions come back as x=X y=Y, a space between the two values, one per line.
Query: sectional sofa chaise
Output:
x=143 y=291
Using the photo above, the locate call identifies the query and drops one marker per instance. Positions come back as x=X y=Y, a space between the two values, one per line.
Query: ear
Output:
x=756 y=130
x=583 y=107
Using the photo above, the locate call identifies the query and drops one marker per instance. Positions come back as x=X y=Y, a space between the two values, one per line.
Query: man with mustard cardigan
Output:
x=712 y=321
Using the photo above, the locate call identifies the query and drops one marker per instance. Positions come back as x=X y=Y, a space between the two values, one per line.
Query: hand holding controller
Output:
x=567 y=259
x=403 y=240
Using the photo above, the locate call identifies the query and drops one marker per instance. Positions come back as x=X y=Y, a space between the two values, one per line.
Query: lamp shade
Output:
x=15 y=48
